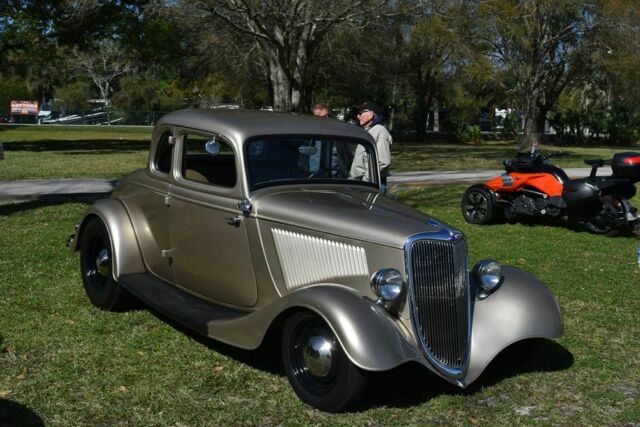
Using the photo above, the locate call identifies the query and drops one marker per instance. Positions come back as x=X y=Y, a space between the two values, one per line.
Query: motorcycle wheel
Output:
x=477 y=206
x=598 y=226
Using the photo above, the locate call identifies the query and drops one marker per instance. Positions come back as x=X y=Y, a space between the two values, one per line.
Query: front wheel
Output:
x=96 y=265
x=317 y=367
x=477 y=206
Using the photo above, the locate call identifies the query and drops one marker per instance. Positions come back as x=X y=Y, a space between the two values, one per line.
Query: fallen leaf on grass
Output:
x=123 y=389
x=474 y=421
x=4 y=393
x=23 y=375
x=218 y=368
x=140 y=353
x=69 y=322
x=8 y=349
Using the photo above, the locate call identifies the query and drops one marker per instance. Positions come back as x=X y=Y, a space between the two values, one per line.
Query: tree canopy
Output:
x=572 y=63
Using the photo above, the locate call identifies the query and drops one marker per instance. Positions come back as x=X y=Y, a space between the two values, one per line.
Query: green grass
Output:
x=486 y=155
x=66 y=363
x=44 y=152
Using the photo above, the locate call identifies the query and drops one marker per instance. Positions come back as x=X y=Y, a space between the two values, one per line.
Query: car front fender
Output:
x=127 y=258
x=523 y=307
x=370 y=336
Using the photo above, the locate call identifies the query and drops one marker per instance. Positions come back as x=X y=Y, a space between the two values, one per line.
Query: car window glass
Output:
x=200 y=166
x=164 y=151
x=276 y=160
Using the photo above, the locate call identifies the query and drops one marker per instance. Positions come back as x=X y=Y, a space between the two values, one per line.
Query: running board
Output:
x=182 y=307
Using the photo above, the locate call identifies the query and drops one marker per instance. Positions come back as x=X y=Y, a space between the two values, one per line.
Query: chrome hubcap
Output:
x=103 y=263
x=317 y=356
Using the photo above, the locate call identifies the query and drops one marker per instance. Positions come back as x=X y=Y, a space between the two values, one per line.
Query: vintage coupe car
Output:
x=245 y=223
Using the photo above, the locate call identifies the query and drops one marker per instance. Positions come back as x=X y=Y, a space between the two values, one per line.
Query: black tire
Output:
x=601 y=227
x=331 y=383
x=603 y=230
x=96 y=266
x=477 y=206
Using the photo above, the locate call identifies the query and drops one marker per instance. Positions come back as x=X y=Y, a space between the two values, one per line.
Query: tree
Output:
x=434 y=53
x=75 y=96
x=289 y=33
x=103 y=65
x=540 y=44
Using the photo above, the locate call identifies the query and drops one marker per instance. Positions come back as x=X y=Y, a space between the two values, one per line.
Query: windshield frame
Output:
x=316 y=181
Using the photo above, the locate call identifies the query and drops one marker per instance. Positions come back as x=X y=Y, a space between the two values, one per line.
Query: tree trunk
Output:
x=534 y=119
x=436 y=117
x=422 y=113
x=280 y=83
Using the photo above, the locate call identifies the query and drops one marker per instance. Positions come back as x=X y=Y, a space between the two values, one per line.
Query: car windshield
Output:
x=278 y=160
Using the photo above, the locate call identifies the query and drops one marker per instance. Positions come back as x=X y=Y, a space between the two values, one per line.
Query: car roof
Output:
x=244 y=124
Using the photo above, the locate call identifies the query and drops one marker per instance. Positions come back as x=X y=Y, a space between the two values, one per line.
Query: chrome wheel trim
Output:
x=317 y=356
x=103 y=263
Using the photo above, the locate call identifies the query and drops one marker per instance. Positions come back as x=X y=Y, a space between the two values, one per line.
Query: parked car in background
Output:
x=247 y=222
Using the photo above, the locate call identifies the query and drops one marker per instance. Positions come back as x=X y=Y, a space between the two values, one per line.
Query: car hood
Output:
x=356 y=213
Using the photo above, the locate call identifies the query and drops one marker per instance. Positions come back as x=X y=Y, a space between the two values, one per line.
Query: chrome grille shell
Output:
x=440 y=298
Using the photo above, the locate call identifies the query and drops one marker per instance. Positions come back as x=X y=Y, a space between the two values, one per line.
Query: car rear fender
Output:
x=127 y=258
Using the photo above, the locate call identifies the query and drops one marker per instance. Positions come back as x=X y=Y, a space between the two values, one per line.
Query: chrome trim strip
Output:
x=451 y=235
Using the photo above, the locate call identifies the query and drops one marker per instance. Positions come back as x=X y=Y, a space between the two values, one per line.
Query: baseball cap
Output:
x=369 y=105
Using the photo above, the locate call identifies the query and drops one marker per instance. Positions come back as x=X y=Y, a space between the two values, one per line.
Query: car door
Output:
x=211 y=255
x=147 y=205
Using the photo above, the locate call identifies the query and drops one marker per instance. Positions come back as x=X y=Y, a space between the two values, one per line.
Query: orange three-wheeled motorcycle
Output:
x=532 y=187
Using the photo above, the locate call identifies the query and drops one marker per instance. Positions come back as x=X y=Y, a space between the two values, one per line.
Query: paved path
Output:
x=16 y=191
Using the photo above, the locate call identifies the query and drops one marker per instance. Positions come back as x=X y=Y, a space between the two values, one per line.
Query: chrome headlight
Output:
x=488 y=273
x=388 y=285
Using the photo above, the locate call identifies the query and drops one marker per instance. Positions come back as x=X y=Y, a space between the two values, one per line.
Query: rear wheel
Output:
x=96 y=265
x=477 y=206
x=317 y=367
x=604 y=222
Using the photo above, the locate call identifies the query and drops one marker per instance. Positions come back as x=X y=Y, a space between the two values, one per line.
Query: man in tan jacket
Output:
x=370 y=118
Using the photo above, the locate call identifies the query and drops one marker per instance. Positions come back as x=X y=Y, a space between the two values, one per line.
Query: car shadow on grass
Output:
x=15 y=414
x=265 y=358
x=412 y=384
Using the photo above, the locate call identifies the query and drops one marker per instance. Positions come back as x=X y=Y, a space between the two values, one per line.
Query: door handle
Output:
x=234 y=220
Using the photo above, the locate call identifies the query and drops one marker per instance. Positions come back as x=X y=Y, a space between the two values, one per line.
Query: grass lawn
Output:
x=42 y=152
x=66 y=363
x=485 y=155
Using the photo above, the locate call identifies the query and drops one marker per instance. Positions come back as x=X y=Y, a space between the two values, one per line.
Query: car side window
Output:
x=209 y=160
x=164 y=150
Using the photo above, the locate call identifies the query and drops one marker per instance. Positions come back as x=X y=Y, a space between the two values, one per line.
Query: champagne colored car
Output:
x=247 y=224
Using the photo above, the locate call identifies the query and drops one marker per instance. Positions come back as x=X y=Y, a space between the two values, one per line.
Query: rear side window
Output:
x=202 y=164
x=164 y=152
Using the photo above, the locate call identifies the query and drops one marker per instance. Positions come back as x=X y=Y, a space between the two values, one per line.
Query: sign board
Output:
x=1 y=151
x=24 y=108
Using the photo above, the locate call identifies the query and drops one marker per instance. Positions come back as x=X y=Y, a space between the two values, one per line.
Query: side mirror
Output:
x=212 y=147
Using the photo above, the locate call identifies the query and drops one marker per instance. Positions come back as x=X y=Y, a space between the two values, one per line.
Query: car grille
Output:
x=440 y=299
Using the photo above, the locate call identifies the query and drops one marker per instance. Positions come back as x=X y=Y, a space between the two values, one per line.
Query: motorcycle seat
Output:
x=594 y=162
